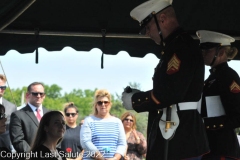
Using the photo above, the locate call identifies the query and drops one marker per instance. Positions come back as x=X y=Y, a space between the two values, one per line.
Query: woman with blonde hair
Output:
x=102 y=135
x=220 y=107
x=137 y=144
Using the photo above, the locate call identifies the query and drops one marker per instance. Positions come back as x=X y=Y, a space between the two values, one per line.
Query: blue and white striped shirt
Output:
x=106 y=136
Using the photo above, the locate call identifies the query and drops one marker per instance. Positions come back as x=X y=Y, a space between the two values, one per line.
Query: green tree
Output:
x=14 y=95
x=117 y=108
x=53 y=91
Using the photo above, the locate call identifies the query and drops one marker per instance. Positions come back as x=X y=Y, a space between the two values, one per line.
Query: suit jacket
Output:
x=9 y=109
x=23 y=127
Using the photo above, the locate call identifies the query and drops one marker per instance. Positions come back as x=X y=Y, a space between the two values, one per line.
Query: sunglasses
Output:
x=37 y=93
x=126 y=119
x=101 y=102
x=68 y=114
x=3 y=87
x=3 y=115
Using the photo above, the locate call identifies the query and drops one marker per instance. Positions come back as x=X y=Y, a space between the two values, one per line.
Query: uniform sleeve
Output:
x=178 y=78
x=17 y=135
x=229 y=87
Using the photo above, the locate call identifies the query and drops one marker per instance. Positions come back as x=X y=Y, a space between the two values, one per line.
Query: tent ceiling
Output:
x=81 y=24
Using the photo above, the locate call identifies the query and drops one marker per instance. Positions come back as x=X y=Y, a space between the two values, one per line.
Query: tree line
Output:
x=83 y=99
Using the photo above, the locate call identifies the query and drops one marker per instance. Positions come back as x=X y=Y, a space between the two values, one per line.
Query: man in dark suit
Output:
x=9 y=109
x=24 y=123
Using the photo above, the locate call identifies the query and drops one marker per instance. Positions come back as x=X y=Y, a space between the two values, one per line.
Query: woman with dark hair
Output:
x=4 y=147
x=137 y=144
x=220 y=107
x=71 y=140
x=50 y=133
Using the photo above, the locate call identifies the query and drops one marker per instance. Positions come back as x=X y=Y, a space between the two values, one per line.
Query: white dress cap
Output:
x=214 y=37
x=142 y=11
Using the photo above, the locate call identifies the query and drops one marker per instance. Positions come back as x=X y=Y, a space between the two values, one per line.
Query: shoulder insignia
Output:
x=173 y=64
x=234 y=87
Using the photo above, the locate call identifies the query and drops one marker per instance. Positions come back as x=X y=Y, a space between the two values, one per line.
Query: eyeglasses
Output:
x=37 y=93
x=3 y=115
x=101 y=102
x=126 y=119
x=3 y=87
x=68 y=114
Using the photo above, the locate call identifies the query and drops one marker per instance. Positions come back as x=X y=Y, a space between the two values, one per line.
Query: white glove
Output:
x=127 y=98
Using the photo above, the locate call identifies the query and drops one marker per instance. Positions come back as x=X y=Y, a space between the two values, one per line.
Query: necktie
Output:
x=38 y=114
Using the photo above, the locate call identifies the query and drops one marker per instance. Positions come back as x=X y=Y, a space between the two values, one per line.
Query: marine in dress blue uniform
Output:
x=178 y=81
x=221 y=96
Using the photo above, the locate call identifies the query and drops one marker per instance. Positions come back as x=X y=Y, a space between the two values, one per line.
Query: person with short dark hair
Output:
x=49 y=134
x=24 y=122
x=220 y=107
x=175 y=128
x=71 y=140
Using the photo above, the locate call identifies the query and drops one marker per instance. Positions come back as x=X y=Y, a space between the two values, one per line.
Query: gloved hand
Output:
x=127 y=97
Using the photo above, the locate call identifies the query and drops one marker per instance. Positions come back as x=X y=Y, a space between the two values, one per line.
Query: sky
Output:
x=72 y=69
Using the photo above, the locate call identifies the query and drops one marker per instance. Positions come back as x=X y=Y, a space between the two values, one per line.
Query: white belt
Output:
x=187 y=105
x=174 y=118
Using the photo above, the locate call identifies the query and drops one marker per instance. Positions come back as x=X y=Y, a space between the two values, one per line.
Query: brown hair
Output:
x=70 y=105
x=41 y=135
x=125 y=115
x=3 y=78
x=231 y=52
x=100 y=93
x=29 y=88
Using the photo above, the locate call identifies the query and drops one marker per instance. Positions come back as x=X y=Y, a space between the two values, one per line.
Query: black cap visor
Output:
x=144 y=23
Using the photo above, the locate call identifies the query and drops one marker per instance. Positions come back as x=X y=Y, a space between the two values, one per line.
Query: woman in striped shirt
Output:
x=102 y=136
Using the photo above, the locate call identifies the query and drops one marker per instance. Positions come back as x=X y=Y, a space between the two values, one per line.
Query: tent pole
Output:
x=84 y=34
x=15 y=16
